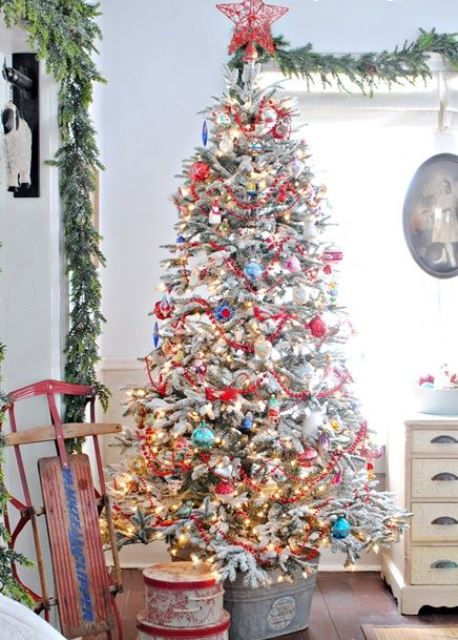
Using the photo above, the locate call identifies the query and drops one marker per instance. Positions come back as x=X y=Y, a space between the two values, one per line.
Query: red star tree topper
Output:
x=253 y=20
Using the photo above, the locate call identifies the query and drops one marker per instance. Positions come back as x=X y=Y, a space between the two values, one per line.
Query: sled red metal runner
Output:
x=72 y=506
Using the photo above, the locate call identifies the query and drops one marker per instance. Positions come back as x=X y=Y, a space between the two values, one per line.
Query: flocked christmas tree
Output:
x=250 y=449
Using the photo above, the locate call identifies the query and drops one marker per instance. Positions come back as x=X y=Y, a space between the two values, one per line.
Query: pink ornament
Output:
x=293 y=264
x=318 y=327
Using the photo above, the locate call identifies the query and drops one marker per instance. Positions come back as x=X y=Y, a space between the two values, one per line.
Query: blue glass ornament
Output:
x=247 y=424
x=256 y=147
x=224 y=312
x=205 y=133
x=203 y=437
x=181 y=240
x=341 y=528
x=156 y=337
x=253 y=271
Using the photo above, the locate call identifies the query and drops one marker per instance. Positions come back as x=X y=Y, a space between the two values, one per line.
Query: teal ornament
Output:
x=341 y=528
x=205 y=133
x=156 y=337
x=203 y=437
x=253 y=271
x=256 y=147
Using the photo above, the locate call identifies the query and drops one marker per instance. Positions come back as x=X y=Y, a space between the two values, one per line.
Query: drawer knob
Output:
x=444 y=564
x=445 y=520
x=444 y=440
x=444 y=477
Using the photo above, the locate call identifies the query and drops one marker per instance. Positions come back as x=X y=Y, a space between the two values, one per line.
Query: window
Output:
x=367 y=153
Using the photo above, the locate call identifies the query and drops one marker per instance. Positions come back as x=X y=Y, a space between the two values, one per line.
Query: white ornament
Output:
x=214 y=216
x=263 y=348
x=310 y=231
x=269 y=115
x=311 y=422
x=300 y=295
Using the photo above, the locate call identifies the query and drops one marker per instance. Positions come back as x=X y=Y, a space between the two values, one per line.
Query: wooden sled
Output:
x=85 y=591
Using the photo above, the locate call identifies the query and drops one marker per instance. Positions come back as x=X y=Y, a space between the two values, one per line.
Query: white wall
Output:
x=163 y=61
x=31 y=283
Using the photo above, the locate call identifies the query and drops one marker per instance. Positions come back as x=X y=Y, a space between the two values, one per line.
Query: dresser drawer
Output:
x=435 y=441
x=434 y=565
x=434 y=478
x=434 y=522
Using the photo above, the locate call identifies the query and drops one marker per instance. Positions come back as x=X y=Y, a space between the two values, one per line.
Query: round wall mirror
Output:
x=430 y=216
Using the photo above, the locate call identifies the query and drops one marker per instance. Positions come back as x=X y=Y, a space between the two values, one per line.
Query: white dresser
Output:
x=422 y=471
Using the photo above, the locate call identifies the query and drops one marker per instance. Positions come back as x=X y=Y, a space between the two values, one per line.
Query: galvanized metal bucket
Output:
x=268 y=612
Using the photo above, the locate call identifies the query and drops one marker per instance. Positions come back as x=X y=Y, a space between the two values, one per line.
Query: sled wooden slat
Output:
x=81 y=577
x=70 y=431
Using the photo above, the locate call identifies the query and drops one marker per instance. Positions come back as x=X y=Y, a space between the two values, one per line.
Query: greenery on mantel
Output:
x=64 y=33
x=406 y=63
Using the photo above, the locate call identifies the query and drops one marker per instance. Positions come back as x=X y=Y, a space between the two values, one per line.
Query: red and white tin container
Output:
x=149 y=631
x=181 y=595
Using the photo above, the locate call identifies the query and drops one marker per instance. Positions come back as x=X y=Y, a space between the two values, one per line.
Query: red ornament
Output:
x=253 y=20
x=224 y=488
x=163 y=309
x=199 y=171
x=282 y=131
x=318 y=327
x=327 y=269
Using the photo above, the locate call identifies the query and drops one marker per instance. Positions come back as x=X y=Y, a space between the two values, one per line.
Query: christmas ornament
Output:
x=341 y=528
x=156 y=337
x=263 y=348
x=225 y=491
x=323 y=442
x=203 y=437
x=269 y=115
x=253 y=271
x=205 y=133
x=247 y=424
x=281 y=131
x=256 y=147
x=251 y=188
x=308 y=457
x=199 y=367
x=310 y=231
x=318 y=327
x=300 y=295
x=293 y=264
x=225 y=144
x=253 y=20
x=273 y=412
x=312 y=420
x=224 y=312
x=199 y=171
x=296 y=167
x=181 y=240
x=214 y=217
x=163 y=309
x=222 y=118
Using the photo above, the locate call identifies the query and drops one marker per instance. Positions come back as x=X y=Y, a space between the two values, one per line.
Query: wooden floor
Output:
x=341 y=604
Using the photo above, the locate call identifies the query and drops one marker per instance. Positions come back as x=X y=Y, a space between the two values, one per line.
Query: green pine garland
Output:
x=64 y=33
x=406 y=63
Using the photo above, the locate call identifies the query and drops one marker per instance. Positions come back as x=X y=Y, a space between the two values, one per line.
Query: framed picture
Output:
x=430 y=216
